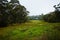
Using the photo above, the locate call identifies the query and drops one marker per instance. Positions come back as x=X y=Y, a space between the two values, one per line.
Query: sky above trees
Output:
x=37 y=7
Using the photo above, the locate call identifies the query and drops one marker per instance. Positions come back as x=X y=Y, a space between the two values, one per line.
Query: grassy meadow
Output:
x=32 y=30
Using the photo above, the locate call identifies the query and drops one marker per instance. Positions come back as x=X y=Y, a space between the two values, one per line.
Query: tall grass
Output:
x=33 y=30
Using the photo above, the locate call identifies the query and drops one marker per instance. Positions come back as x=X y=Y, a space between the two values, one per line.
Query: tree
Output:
x=53 y=16
x=14 y=1
x=18 y=12
x=3 y=13
x=12 y=12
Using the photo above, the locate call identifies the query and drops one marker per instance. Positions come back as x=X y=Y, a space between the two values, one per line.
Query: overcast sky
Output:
x=37 y=7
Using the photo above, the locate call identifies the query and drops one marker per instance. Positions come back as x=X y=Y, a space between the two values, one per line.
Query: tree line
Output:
x=51 y=17
x=54 y=16
x=36 y=17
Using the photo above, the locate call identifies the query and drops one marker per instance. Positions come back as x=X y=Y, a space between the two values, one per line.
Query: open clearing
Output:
x=33 y=30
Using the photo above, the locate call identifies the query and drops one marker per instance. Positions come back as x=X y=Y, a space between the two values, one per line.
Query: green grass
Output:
x=33 y=30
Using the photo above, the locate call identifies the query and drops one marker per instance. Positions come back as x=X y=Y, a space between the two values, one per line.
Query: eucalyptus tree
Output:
x=12 y=12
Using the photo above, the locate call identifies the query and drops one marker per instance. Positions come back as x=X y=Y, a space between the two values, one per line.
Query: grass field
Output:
x=32 y=30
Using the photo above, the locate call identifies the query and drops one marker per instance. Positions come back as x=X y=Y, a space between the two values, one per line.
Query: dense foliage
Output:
x=53 y=16
x=12 y=12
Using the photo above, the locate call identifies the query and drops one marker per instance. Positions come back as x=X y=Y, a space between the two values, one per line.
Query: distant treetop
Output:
x=57 y=7
x=14 y=1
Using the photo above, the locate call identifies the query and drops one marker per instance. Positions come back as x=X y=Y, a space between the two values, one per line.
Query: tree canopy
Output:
x=12 y=12
x=53 y=16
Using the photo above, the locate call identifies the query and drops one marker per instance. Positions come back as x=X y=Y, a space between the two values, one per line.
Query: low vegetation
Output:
x=32 y=30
